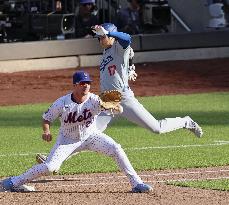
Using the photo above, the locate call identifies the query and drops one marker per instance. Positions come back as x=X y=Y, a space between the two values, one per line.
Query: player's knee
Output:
x=116 y=150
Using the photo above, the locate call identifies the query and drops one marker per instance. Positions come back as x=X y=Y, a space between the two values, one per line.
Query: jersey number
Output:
x=112 y=69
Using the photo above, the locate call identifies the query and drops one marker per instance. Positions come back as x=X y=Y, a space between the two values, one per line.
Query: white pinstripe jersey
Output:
x=77 y=120
x=114 y=68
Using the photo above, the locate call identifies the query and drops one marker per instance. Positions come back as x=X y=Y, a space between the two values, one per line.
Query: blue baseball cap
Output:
x=109 y=27
x=81 y=76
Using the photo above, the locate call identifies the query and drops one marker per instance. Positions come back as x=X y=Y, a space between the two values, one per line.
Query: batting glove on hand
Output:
x=132 y=75
x=131 y=53
x=99 y=30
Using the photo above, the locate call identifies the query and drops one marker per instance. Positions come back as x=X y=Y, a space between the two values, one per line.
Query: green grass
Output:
x=218 y=184
x=20 y=133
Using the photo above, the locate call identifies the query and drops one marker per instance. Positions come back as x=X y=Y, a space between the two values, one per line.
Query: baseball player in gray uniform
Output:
x=115 y=72
x=77 y=112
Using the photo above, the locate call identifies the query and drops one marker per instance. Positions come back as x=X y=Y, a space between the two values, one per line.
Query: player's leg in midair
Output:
x=135 y=112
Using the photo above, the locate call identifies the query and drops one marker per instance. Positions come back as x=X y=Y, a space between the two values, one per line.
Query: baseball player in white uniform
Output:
x=77 y=112
x=115 y=72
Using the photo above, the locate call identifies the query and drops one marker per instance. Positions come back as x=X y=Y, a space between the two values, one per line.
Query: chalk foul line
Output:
x=216 y=143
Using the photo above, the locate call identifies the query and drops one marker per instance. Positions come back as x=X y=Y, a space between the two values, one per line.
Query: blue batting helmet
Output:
x=109 y=27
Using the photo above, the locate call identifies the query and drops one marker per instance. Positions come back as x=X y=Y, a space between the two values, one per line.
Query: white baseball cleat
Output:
x=22 y=188
x=193 y=127
x=6 y=185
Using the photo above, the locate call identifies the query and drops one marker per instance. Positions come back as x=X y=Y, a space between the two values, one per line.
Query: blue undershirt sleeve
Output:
x=124 y=39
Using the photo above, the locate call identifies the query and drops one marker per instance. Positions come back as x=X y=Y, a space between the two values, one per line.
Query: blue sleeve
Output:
x=124 y=39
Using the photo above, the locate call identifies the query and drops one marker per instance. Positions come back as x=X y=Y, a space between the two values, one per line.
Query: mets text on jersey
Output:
x=73 y=118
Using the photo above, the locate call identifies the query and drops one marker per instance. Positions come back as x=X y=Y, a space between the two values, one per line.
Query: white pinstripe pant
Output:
x=64 y=147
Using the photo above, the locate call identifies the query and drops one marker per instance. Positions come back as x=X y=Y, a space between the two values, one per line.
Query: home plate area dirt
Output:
x=162 y=78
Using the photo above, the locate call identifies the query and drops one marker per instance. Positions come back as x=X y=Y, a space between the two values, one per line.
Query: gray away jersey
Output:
x=114 y=68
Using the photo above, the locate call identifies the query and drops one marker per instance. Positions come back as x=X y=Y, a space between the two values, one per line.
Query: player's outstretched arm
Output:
x=124 y=39
x=46 y=131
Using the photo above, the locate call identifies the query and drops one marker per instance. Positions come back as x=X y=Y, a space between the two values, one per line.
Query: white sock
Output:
x=171 y=124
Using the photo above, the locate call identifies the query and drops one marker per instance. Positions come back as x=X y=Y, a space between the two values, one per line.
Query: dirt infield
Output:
x=109 y=189
x=179 y=77
x=153 y=79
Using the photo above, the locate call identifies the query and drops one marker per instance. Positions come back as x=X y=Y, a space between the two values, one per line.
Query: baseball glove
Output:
x=110 y=99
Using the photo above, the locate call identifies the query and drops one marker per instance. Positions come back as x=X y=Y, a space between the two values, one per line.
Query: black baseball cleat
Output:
x=7 y=186
x=142 y=188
